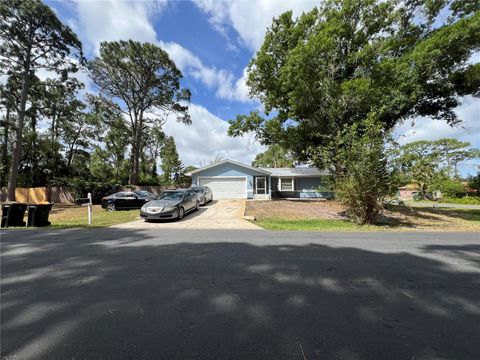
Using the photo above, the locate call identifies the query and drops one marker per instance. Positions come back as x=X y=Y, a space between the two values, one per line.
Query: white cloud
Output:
x=206 y=137
x=110 y=20
x=250 y=19
x=427 y=129
x=223 y=81
x=115 y=20
x=237 y=90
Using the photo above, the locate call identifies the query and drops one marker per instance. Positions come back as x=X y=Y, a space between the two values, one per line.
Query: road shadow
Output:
x=465 y=253
x=127 y=294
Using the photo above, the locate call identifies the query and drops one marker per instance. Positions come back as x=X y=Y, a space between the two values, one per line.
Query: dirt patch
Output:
x=394 y=217
x=295 y=210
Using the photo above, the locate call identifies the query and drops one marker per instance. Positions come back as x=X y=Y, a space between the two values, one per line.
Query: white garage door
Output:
x=225 y=187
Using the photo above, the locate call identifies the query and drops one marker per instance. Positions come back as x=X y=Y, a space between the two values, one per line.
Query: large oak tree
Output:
x=349 y=60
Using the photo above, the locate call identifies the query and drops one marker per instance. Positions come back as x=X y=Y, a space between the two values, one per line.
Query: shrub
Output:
x=366 y=179
x=474 y=183
x=452 y=188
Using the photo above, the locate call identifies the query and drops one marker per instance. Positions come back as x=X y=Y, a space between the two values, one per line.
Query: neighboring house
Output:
x=406 y=192
x=232 y=180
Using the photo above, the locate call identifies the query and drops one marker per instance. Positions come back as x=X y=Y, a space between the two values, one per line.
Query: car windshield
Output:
x=143 y=193
x=198 y=190
x=171 y=195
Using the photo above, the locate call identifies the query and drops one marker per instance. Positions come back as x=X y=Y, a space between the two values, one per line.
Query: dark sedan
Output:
x=126 y=200
x=171 y=204
x=204 y=194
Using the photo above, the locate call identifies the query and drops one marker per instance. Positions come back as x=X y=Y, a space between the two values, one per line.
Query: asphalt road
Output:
x=193 y=294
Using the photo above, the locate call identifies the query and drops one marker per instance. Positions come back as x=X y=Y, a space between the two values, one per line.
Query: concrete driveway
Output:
x=144 y=294
x=218 y=214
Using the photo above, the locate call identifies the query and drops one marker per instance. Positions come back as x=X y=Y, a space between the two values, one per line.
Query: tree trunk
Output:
x=72 y=146
x=52 y=129
x=136 y=162
x=372 y=209
x=131 y=176
x=117 y=166
x=133 y=179
x=5 y=146
x=17 y=143
x=136 y=148
x=37 y=175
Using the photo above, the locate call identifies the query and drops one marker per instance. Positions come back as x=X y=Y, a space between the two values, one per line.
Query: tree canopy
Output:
x=349 y=60
x=32 y=38
x=50 y=135
x=430 y=164
x=137 y=79
x=172 y=166
x=275 y=156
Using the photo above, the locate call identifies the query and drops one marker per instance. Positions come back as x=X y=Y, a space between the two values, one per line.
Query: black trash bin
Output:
x=38 y=214
x=12 y=214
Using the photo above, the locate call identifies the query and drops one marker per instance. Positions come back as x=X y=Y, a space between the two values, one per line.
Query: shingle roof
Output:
x=288 y=172
x=259 y=170
x=296 y=172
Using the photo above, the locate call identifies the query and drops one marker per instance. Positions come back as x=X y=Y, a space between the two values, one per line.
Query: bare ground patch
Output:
x=295 y=210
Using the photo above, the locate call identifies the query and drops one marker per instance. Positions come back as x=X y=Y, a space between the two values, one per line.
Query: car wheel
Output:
x=181 y=213
x=111 y=207
x=197 y=205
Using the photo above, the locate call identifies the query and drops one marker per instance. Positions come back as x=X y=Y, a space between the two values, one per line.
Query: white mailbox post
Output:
x=89 y=208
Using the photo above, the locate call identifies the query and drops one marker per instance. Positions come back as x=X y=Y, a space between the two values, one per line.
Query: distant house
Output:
x=232 y=180
x=406 y=192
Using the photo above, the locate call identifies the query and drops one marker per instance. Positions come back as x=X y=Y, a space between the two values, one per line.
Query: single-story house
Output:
x=232 y=180
x=407 y=191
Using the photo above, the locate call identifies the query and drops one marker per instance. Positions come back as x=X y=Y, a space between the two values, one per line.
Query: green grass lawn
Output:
x=313 y=225
x=463 y=201
x=74 y=217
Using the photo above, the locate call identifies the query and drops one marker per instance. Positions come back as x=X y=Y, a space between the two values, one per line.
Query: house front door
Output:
x=260 y=185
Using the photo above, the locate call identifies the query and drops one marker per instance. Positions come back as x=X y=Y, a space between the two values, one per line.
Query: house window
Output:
x=261 y=185
x=286 y=184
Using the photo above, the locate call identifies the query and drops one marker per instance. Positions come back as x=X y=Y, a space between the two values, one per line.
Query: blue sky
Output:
x=212 y=42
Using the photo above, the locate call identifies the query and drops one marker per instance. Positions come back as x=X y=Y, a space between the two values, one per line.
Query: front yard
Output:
x=70 y=216
x=330 y=216
x=76 y=216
